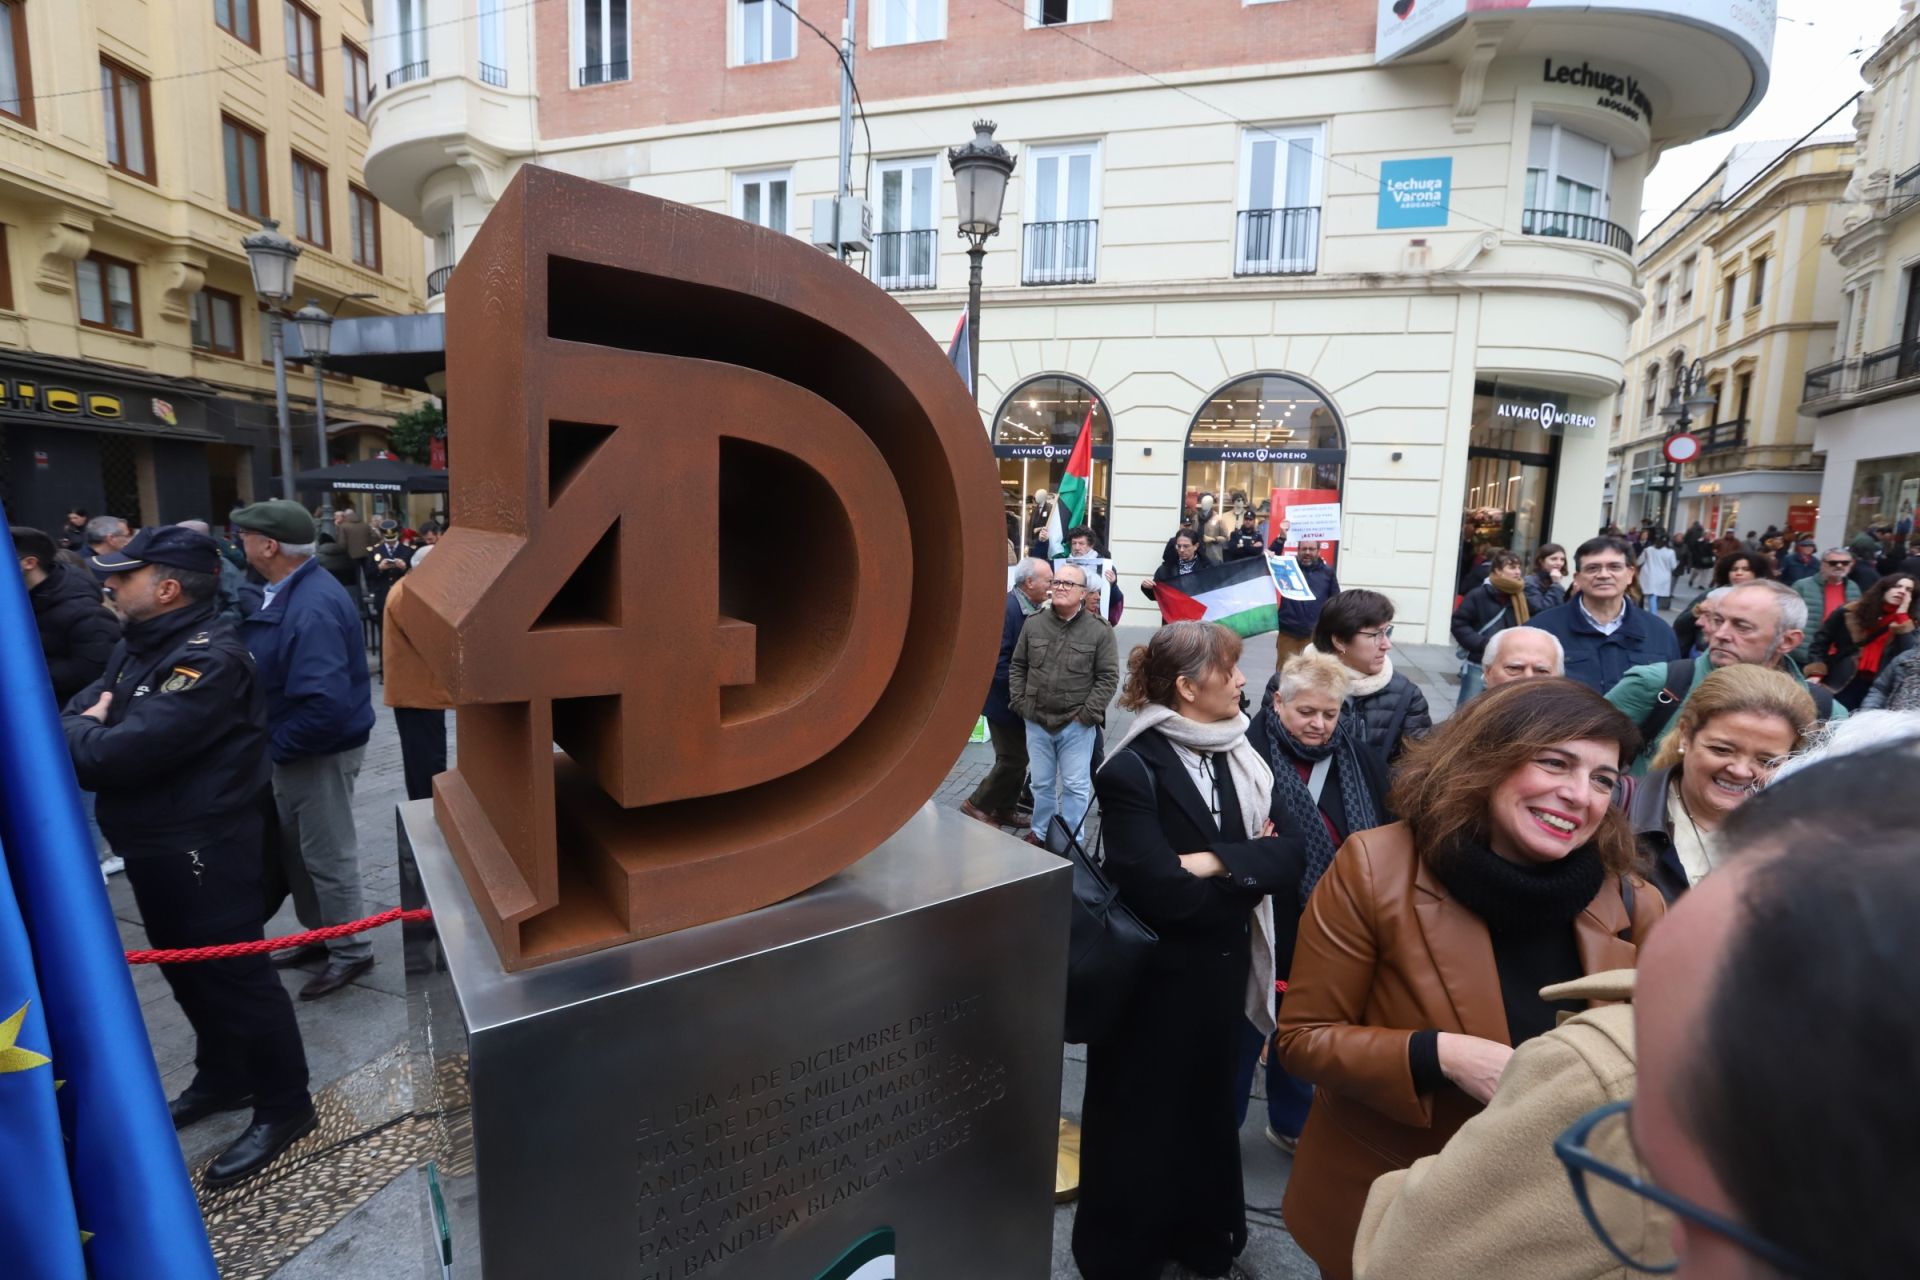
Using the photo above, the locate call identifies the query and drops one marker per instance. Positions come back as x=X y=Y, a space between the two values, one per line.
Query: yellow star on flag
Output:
x=12 y=1056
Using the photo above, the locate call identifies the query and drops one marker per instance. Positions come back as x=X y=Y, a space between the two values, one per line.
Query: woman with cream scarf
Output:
x=1184 y=802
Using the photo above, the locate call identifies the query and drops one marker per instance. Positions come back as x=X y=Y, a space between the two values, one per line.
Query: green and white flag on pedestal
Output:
x=870 y=1259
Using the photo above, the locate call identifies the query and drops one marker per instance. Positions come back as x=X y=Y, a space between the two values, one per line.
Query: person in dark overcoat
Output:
x=1184 y=802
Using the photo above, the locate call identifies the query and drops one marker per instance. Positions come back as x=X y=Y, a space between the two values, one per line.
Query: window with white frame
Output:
x=1662 y=298
x=1278 y=225
x=600 y=41
x=409 y=40
x=1652 y=405
x=1567 y=172
x=1062 y=233
x=908 y=21
x=906 y=245
x=1687 y=270
x=765 y=198
x=493 y=42
x=1054 y=13
x=763 y=32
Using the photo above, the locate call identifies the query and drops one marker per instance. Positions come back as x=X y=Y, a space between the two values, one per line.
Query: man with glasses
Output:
x=1778 y=1030
x=1604 y=634
x=1760 y=622
x=1827 y=591
x=1063 y=673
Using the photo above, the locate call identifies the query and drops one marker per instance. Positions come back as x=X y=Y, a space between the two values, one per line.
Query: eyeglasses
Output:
x=1068 y=586
x=1619 y=1204
x=1604 y=566
x=1839 y=564
x=1378 y=633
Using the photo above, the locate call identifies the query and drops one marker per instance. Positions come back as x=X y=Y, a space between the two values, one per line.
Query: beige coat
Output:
x=1496 y=1201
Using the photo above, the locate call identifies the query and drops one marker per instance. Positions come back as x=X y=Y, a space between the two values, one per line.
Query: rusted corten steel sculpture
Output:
x=721 y=600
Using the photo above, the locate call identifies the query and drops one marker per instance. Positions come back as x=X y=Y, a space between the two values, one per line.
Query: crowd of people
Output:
x=217 y=704
x=1424 y=937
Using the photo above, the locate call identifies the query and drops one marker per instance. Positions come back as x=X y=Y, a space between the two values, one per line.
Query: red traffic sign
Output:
x=1684 y=447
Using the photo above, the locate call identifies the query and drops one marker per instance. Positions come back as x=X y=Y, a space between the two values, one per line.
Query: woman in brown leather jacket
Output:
x=1423 y=949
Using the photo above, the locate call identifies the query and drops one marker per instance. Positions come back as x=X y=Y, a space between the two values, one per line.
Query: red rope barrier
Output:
x=230 y=950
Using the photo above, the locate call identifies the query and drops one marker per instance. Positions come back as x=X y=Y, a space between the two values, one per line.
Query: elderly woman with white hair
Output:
x=1326 y=786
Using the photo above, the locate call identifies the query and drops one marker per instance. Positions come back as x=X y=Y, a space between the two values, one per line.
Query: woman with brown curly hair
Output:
x=1423 y=950
x=1858 y=640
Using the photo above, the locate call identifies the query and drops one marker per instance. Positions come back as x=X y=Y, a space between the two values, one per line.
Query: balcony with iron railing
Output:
x=1576 y=226
x=1721 y=436
x=495 y=76
x=405 y=74
x=1904 y=193
x=1877 y=375
x=603 y=73
x=1827 y=380
x=1277 y=242
x=1060 y=252
x=904 y=260
x=437 y=281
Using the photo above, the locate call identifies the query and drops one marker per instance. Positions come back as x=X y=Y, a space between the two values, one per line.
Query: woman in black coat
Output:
x=1547 y=581
x=1357 y=627
x=1326 y=786
x=1183 y=803
x=1186 y=559
x=1858 y=640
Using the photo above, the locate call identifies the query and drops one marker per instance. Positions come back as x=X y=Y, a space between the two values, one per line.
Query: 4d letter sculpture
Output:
x=720 y=602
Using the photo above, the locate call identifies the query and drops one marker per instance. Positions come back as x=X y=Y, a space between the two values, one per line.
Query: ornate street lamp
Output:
x=1688 y=401
x=271 y=256
x=980 y=172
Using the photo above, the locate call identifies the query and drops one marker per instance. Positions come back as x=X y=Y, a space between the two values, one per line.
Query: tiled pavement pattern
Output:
x=343 y=1214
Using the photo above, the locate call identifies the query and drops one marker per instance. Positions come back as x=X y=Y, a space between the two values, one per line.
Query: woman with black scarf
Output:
x=1326 y=786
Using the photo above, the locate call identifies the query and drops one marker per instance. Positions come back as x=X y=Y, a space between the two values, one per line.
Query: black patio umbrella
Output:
x=373 y=475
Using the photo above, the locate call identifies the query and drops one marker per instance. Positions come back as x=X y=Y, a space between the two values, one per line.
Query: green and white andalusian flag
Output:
x=871 y=1258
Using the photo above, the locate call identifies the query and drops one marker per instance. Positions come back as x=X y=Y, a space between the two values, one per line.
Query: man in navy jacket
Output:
x=306 y=644
x=1603 y=632
x=997 y=797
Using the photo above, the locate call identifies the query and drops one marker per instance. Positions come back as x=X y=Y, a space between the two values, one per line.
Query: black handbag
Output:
x=1108 y=945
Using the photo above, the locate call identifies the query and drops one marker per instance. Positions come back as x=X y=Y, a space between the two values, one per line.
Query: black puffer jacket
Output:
x=1392 y=709
x=77 y=630
x=1483 y=611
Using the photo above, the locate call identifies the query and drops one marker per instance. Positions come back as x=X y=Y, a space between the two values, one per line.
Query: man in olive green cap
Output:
x=307 y=644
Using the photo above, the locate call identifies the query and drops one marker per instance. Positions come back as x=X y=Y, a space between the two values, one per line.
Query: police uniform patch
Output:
x=202 y=639
x=182 y=678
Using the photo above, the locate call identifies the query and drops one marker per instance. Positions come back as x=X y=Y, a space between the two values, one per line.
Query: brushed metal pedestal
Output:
x=755 y=1097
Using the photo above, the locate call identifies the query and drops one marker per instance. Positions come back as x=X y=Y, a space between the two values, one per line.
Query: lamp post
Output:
x=1687 y=401
x=271 y=256
x=316 y=339
x=980 y=172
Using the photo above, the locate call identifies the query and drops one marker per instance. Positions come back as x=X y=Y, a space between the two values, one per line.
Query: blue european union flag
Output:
x=94 y=1182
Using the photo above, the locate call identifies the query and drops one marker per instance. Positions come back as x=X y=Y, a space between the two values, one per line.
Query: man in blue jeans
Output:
x=1064 y=671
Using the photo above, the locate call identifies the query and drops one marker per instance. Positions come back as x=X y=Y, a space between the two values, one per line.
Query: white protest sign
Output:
x=1319 y=521
x=1287 y=578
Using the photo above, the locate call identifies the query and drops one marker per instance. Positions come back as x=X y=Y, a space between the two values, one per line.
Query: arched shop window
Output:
x=1267 y=440
x=1033 y=434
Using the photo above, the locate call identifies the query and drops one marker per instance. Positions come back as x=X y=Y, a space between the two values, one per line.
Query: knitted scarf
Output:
x=1516 y=595
x=1253 y=787
x=1303 y=813
x=1514 y=899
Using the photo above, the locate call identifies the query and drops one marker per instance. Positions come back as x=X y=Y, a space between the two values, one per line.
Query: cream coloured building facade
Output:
x=1272 y=252
x=1866 y=419
x=1737 y=278
x=140 y=141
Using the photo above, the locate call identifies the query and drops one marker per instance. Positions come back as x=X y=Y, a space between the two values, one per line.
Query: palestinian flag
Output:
x=1075 y=485
x=1237 y=594
x=961 y=353
x=871 y=1258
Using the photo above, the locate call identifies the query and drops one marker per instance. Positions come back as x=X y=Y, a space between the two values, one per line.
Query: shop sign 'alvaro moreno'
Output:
x=1547 y=414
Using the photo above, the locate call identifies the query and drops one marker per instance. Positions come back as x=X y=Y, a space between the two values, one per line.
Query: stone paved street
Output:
x=352 y=1031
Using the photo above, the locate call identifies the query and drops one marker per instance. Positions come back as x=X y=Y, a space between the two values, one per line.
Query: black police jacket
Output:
x=183 y=753
x=77 y=630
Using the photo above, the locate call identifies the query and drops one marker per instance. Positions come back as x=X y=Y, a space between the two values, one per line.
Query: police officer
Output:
x=386 y=563
x=173 y=738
